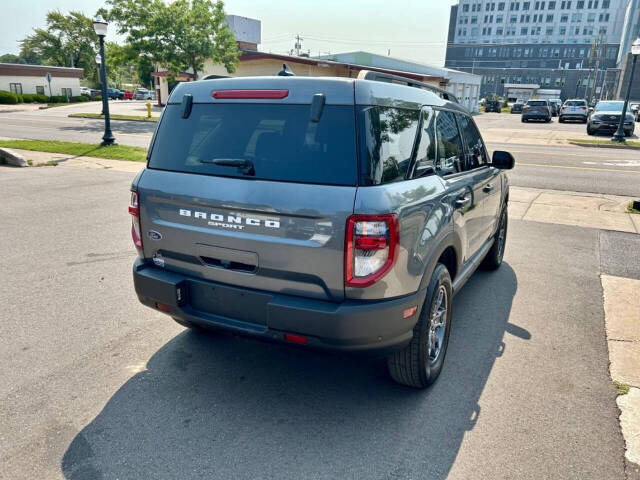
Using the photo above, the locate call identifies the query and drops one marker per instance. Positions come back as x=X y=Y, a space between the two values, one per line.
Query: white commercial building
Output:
x=465 y=86
x=539 y=21
x=18 y=78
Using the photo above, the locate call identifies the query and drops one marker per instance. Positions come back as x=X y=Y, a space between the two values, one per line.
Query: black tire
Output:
x=523 y=120
x=493 y=260
x=414 y=366
x=560 y=120
x=589 y=131
x=584 y=121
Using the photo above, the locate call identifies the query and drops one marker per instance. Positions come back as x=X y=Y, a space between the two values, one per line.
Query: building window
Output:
x=603 y=30
x=16 y=88
x=563 y=5
x=595 y=4
x=524 y=31
x=39 y=90
x=500 y=6
x=605 y=3
x=591 y=17
x=563 y=30
x=569 y=5
x=499 y=19
x=549 y=31
x=541 y=5
x=525 y=6
x=465 y=8
x=513 y=19
x=549 y=18
x=474 y=20
x=576 y=17
x=499 y=31
x=552 y=6
x=580 y=4
x=564 y=18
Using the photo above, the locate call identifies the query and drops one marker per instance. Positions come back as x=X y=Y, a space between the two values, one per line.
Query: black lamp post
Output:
x=100 y=26
x=635 y=51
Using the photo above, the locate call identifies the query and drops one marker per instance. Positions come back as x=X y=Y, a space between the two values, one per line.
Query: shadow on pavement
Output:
x=98 y=126
x=218 y=406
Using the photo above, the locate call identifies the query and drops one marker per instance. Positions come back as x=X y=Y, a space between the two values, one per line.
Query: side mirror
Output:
x=502 y=160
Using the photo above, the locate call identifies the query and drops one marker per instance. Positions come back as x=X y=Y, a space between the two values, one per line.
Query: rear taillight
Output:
x=134 y=211
x=371 y=248
x=564 y=108
x=583 y=108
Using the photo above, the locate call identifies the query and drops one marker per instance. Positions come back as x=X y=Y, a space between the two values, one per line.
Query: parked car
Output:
x=95 y=93
x=517 y=107
x=115 y=94
x=635 y=110
x=85 y=91
x=128 y=95
x=574 y=109
x=605 y=118
x=493 y=106
x=288 y=209
x=554 y=108
x=142 y=94
x=536 y=110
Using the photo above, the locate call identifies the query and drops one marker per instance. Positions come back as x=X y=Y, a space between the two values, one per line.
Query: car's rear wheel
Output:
x=493 y=260
x=589 y=131
x=419 y=364
x=523 y=120
x=560 y=120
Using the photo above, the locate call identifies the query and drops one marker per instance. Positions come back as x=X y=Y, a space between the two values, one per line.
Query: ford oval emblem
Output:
x=153 y=235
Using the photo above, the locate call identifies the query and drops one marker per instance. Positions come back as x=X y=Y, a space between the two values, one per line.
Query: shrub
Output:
x=9 y=98
x=58 y=99
x=98 y=98
x=40 y=98
x=28 y=97
x=19 y=96
x=80 y=98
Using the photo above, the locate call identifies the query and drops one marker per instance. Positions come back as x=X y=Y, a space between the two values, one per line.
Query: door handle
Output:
x=462 y=201
x=487 y=188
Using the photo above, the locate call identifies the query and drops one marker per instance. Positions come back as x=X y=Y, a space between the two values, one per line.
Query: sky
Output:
x=415 y=30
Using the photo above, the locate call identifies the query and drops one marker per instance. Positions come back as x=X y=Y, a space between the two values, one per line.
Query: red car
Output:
x=128 y=95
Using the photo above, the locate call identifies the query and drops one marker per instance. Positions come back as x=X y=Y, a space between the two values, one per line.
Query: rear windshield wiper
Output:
x=245 y=165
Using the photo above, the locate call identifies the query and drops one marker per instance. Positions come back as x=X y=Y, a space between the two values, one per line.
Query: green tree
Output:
x=67 y=40
x=179 y=36
x=11 y=58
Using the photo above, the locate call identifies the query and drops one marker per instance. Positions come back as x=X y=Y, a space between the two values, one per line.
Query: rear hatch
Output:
x=574 y=108
x=538 y=107
x=253 y=192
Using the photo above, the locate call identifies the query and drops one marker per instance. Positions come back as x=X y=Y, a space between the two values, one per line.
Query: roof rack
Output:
x=389 y=78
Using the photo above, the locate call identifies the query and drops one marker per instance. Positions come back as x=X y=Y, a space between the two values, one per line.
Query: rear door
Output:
x=271 y=213
x=488 y=186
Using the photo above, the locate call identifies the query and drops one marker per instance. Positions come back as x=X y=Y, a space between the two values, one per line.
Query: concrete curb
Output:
x=605 y=145
x=13 y=158
x=155 y=120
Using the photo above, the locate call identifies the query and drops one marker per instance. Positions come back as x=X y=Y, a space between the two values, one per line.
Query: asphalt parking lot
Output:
x=97 y=387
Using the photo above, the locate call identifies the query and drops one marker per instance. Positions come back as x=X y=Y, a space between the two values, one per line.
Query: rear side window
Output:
x=279 y=142
x=449 y=144
x=426 y=151
x=476 y=152
x=387 y=137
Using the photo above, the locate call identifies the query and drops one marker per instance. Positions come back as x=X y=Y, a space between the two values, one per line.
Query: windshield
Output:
x=259 y=141
x=609 y=106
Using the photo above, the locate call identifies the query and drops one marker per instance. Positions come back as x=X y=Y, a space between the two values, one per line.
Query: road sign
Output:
x=49 y=81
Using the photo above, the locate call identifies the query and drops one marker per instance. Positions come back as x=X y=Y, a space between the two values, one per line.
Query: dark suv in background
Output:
x=536 y=110
x=331 y=213
x=493 y=106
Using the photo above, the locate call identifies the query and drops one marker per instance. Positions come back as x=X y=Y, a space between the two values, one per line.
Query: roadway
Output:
x=543 y=159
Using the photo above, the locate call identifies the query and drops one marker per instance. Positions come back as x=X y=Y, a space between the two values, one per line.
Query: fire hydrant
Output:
x=148 y=109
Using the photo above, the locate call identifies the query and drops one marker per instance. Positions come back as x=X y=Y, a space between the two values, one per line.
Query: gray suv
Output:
x=329 y=213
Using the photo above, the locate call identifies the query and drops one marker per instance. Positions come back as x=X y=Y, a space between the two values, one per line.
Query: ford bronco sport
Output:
x=333 y=213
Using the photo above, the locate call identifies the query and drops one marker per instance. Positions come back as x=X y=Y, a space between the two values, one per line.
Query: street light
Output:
x=635 y=51
x=99 y=62
x=100 y=27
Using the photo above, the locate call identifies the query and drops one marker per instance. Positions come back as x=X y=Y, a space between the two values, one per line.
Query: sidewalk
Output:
x=588 y=210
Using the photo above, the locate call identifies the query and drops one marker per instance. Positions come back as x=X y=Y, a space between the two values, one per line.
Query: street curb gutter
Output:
x=605 y=145
x=12 y=158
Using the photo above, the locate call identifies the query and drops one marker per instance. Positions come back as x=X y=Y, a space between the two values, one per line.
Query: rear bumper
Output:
x=373 y=326
x=536 y=116
x=573 y=116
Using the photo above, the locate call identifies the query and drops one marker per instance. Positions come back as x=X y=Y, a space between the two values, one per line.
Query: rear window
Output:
x=537 y=103
x=279 y=142
x=575 y=103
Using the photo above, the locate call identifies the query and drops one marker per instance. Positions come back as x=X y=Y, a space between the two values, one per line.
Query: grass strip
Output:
x=628 y=143
x=114 y=152
x=621 y=388
x=116 y=116
x=630 y=209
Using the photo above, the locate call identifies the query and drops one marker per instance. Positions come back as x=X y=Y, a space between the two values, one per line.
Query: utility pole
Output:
x=298 y=45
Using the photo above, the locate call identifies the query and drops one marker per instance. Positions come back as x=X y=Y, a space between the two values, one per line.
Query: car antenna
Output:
x=286 y=71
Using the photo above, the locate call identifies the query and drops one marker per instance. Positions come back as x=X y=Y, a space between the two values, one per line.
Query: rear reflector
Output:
x=300 y=339
x=163 y=307
x=410 y=312
x=240 y=94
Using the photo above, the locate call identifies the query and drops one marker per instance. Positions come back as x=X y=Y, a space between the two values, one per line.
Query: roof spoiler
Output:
x=389 y=78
